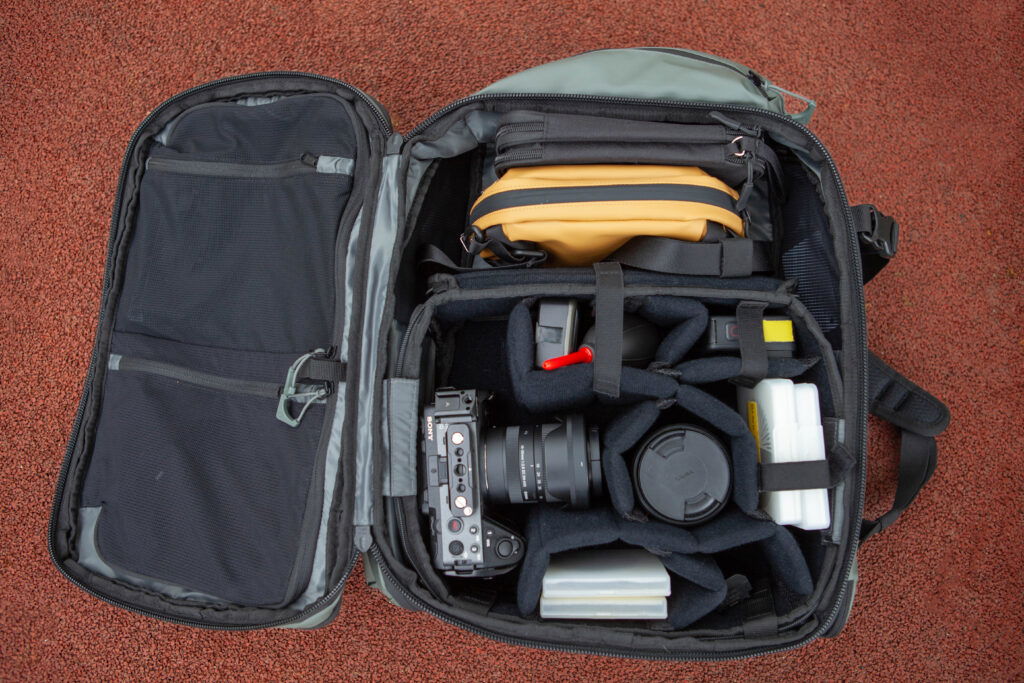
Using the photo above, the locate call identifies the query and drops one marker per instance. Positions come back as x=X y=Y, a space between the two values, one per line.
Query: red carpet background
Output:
x=920 y=103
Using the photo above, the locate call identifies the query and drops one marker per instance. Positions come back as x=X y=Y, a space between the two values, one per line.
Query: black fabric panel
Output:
x=609 y=302
x=617 y=437
x=201 y=488
x=235 y=262
x=242 y=263
x=687 y=318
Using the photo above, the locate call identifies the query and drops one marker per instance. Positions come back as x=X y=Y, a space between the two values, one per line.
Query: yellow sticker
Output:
x=754 y=425
x=778 y=330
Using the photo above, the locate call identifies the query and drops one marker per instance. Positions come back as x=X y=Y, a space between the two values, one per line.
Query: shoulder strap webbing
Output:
x=921 y=417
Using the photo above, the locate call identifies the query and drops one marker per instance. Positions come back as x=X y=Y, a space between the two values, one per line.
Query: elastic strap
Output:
x=794 y=476
x=323 y=370
x=753 y=350
x=609 y=301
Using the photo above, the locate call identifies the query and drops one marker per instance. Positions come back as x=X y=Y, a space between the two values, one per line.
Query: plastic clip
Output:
x=290 y=391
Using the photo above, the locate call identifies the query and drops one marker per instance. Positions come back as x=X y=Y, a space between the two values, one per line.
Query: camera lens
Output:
x=557 y=462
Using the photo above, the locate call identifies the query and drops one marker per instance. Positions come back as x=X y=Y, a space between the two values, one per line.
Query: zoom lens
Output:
x=558 y=462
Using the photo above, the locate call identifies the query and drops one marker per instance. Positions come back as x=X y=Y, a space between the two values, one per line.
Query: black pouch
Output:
x=527 y=138
x=735 y=154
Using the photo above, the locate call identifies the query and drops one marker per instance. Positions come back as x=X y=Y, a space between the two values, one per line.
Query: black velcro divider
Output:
x=608 y=312
x=753 y=351
x=733 y=257
x=795 y=476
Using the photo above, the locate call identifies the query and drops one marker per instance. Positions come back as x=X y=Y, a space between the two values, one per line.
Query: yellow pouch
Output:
x=581 y=214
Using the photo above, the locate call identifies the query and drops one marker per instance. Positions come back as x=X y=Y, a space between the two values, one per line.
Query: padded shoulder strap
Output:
x=921 y=417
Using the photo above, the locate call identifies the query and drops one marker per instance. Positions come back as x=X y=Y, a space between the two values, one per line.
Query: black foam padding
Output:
x=617 y=437
x=721 y=368
x=685 y=553
x=687 y=317
x=743 y=448
x=572 y=387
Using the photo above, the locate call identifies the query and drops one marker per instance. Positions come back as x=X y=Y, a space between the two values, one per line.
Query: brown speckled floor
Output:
x=920 y=103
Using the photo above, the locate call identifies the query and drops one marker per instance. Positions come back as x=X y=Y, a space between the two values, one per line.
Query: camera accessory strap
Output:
x=609 y=301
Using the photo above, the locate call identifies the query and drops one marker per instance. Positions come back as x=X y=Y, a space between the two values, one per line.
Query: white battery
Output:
x=785 y=419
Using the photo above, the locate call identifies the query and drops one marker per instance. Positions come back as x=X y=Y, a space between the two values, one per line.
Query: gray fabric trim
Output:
x=351 y=260
x=318 y=618
x=317 y=585
x=90 y=558
x=382 y=246
x=340 y=165
x=257 y=101
x=403 y=426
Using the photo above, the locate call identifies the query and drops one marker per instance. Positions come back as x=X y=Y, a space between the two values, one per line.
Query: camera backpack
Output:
x=289 y=283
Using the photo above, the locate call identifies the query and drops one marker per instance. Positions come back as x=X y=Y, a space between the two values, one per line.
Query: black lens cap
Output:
x=681 y=475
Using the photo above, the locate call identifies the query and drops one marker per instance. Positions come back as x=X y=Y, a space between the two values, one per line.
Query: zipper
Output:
x=858 y=299
x=193 y=377
x=384 y=124
x=414 y=322
x=307 y=164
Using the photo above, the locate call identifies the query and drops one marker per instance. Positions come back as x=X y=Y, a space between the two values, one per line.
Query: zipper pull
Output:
x=732 y=124
x=748 y=184
x=309 y=159
x=290 y=391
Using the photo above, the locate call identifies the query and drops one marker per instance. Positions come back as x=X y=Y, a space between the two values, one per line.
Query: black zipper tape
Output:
x=194 y=377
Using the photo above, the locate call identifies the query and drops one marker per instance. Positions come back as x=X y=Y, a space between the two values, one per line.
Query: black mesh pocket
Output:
x=201 y=487
x=233 y=262
x=807 y=251
x=239 y=208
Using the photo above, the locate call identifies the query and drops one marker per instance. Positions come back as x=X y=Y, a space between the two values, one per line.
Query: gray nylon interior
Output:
x=382 y=242
x=89 y=557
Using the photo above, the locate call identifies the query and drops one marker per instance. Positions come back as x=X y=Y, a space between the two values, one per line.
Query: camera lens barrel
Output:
x=557 y=462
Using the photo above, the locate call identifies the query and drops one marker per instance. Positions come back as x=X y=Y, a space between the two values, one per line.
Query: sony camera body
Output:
x=464 y=542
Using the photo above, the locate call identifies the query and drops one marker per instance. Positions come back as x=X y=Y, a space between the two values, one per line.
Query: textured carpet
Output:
x=920 y=104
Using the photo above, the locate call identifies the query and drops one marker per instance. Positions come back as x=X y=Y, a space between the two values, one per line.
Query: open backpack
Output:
x=320 y=340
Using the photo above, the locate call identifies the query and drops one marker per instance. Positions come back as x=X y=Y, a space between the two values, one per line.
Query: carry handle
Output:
x=921 y=417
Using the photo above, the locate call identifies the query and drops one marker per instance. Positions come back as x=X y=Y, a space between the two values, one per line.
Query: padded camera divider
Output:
x=722 y=368
x=684 y=552
x=569 y=388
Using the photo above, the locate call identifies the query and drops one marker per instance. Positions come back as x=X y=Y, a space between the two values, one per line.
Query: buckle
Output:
x=882 y=235
x=291 y=390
